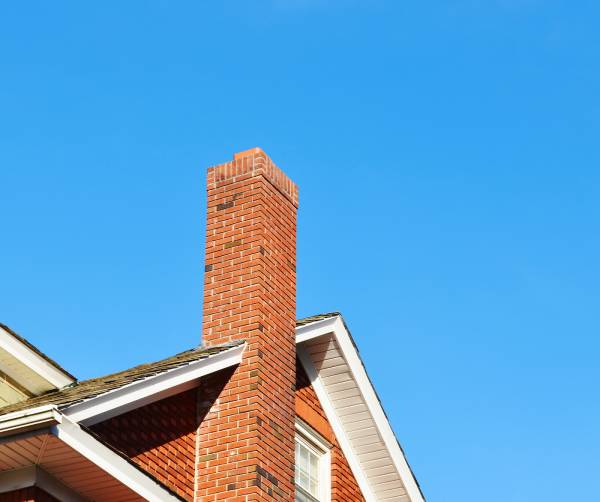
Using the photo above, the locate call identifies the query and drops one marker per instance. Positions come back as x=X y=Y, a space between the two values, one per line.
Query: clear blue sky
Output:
x=448 y=159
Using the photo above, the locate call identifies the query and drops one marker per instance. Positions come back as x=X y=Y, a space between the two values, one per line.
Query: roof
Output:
x=81 y=391
x=87 y=389
x=330 y=358
x=315 y=318
x=338 y=375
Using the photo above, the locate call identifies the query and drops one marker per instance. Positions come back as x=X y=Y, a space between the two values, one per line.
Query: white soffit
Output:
x=19 y=422
x=340 y=381
x=61 y=447
x=118 y=467
x=34 y=475
x=29 y=368
x=151 y=389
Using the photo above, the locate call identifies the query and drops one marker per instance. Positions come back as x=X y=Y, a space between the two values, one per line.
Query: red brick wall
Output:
x=308 y=408
x=31 y=494
x=246 y=442
x=161 y=438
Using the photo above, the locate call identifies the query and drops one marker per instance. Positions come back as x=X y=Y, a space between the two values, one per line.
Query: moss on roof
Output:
x=315 y=318
x=80 y=391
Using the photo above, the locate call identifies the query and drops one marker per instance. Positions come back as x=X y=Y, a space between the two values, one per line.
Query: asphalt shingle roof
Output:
x=314 y=318
x=81 y=391
x=87 y=389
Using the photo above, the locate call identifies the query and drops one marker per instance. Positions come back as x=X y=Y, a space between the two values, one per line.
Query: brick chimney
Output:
x=246 y=438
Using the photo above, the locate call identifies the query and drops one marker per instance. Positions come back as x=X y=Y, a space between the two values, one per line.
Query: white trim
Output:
x=34 y=361
x=313 y=440
x=17 y=478
x=151 y=389
x=336 y=326
x=34 y=475
x=315 y=329
x=26 y=420
x=337 y=427
x=383 y=425
x=54 y=487
x=119 y=468
x=72 y=435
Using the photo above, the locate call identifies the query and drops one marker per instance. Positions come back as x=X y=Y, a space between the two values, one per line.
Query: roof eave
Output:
x=28 y=355
x=151 y=389
x=23 y=421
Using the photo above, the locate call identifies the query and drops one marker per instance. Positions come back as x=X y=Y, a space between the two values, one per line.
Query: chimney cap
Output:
x=248 y=153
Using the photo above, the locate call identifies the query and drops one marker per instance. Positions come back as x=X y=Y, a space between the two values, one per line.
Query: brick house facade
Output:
x=268 y=408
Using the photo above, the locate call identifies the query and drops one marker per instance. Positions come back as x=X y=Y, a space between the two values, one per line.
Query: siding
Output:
x=344 y=485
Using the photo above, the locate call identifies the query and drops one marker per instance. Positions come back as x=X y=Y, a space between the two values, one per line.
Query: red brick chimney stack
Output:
x=246 y=441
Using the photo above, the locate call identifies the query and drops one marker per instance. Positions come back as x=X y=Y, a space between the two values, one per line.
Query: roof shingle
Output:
x=80 y=391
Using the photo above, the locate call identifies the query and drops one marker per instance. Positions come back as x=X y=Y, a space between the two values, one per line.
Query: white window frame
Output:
x=307 y=436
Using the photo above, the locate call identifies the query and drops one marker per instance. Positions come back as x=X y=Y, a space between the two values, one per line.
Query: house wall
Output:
x=343 y=483
x=160 y=438
x=30 y=494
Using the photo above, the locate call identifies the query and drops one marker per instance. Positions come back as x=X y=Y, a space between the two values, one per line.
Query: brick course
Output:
x=246 y=440
x=160 y=438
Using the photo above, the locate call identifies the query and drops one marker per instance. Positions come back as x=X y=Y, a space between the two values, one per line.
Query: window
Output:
x=313 y=479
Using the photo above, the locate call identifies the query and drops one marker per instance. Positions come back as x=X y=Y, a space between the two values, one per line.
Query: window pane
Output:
x=307 y=471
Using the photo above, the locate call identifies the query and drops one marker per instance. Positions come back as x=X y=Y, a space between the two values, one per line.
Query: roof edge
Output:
x=334 y=323
x=35 y=359
x=153 y=388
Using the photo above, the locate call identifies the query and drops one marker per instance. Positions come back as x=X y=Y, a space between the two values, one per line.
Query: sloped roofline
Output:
x=69 y=423
x=152 y=389
x=156 y=377
x=123 y=398
x=33 y=358
x=158 y=386
x=333 y=323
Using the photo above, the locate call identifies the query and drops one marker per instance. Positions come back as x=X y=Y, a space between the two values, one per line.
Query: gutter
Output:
x=31 y=419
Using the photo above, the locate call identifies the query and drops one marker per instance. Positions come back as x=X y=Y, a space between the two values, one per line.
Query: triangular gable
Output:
x=337 y=374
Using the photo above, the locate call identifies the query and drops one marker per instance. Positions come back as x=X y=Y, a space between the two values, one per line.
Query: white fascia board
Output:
x=336 y=425
x=26 y=420
x=119 y=468
x=315 y=329
x=383 y=425
x=34 y=361
x=151 y=389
